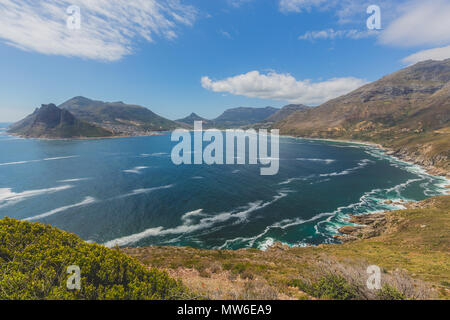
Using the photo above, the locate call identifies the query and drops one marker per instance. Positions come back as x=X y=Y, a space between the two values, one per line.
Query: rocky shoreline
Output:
x=402 y=154
x=421 y=160
x=366 y=226
x=375 y=224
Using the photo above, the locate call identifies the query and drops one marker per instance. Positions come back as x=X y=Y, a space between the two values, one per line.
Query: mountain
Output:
x=49 y=121
x=241 y=116
x=407 y=111
x=118 y=117
x=285 y=112
x=189 y=120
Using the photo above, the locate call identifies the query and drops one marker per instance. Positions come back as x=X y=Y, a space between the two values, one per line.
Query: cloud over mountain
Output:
x=283 y=87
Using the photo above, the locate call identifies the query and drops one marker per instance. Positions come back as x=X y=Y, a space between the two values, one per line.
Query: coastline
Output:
x=431 y=170
x=156 y=133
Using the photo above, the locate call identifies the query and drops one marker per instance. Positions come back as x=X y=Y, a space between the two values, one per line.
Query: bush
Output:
x=34 y=260
x=388 y=292
x=328 y=287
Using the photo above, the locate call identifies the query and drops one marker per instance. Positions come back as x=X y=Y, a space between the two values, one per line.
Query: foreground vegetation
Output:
x=34 y=260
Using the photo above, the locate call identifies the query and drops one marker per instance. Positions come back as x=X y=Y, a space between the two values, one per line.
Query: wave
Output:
x=289 y=180
x=74 y=180
x=189 y=224
x=86 y=201
x=286 y=223
x=136 y=170
x=140 y=191
x=361 y=164
x=327 y=161
x=156 y=154
x=90 y=200
x=30 y=161
x=8 y=197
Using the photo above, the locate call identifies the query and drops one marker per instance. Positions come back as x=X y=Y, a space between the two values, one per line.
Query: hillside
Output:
x=189 y=120
x=34 y=260
x=241 y=116
x=407 y=111
x=285 y=112
x=410 y=246
x=50 y=121
x=118 y=117
x=245 y=117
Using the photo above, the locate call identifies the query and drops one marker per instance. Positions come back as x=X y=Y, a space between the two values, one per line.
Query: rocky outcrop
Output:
x=51 y=122
x=366 y=226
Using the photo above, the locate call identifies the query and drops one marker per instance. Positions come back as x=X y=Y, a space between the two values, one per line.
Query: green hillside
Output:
x=34 y=260
x=118 y=117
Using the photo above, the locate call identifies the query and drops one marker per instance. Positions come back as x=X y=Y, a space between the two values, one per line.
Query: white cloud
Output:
x=226 y=34
x=283 y=87
x=108 y=28
x=238 y=3
x=300 y=5
x=430 y=54
x=347 y=11
x=337 y=34
x=425 y=22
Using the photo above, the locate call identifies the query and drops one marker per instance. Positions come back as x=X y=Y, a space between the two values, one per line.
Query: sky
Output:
x=176 y=57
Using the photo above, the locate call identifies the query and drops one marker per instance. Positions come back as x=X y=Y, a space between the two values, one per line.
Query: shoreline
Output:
x=431 y=170
x=84 y=138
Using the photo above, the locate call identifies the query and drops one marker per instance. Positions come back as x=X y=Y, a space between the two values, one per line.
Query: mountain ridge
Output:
x=118 y=117
x=407 y=112
x=49 y=121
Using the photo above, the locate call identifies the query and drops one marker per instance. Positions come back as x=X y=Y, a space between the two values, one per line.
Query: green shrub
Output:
x=327 y=287
x=388 y=292
x=34 y=260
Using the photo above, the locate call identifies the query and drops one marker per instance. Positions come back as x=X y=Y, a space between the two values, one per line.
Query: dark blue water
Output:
x=127 y=191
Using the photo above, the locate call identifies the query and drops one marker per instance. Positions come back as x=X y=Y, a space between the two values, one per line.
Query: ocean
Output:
x=127 y=191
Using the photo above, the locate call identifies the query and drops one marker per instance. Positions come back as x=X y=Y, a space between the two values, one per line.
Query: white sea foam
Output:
x=74 y=180
x=31 y=161
x=136 y=170
x=286 y=223
x=288 y=181
x=266 y=244
x=86 y=201
x=361 y=164
x=8 y=197
x=188 y=225
x=141 y=191
x=327 y=161
x=156 y=154
x=188 y=217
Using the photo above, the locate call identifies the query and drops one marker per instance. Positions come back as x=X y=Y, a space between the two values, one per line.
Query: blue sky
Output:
x=204 y=56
